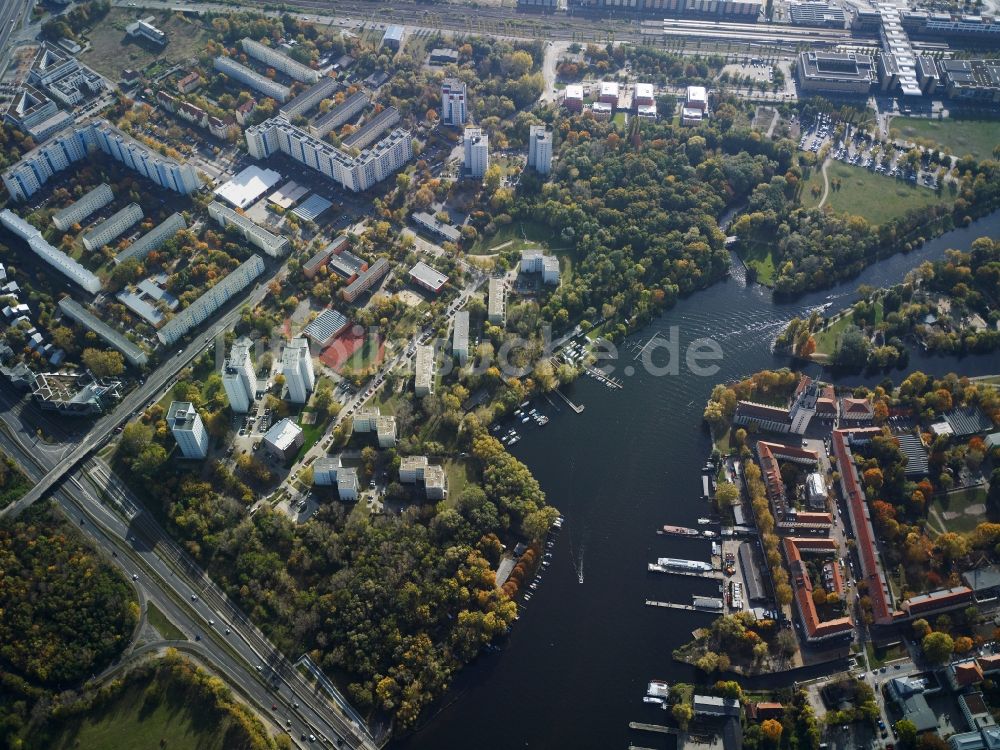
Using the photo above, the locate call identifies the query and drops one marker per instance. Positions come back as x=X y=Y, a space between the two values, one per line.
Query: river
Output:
x=573 y=673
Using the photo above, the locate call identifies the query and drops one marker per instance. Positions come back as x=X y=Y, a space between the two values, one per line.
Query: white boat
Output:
x=652 y=699
x=708 y=534
x=658 y=689
x=704 y=521
x=513 y=440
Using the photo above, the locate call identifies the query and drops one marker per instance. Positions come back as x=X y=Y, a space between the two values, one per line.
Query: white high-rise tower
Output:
x=297 y=367
x=239 y=378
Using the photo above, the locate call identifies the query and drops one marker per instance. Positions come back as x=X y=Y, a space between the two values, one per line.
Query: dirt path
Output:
x=826 y=185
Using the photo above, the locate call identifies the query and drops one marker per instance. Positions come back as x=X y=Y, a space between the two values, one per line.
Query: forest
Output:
x=64 y=613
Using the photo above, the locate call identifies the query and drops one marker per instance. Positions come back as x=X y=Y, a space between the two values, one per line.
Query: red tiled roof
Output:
x=765 y=710
x=967 y=673
x=813 y=518
x=856 y=408
x=791 y=451
x=838 y=578
x=941 y=599
x=753 y=410
x=802 y=586
x=989 y=663
x=863 y=532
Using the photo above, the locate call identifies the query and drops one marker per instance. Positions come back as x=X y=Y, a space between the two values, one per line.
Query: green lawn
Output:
x=961 y=137
x=827 y=339
x=131 y=722
x=759 y=258
x=461 y=472
x=952 y=512
x=165 y=628
x=862 y=193
x=878 y=656
x=365 y=356
x=310 y=434
x=520 y=235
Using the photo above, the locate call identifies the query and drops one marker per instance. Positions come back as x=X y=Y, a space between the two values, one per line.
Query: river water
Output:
x=574 y=671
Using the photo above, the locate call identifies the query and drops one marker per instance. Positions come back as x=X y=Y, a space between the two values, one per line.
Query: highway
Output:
x=12 y=14
x=169 y=578
x=156 y=383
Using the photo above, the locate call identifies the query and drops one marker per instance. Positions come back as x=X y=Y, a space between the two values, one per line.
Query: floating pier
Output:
x=658 y=728
x=570 y=404
x=701 y=604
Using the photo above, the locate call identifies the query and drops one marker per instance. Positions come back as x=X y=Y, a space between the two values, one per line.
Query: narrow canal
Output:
x=575 y=668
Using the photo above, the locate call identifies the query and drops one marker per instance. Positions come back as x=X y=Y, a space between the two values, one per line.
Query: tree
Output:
x=103 y=363
x=683 y=713
x=906 y=731
x=726 y=494
x=938 y=647
x=963 y=644
x=921 y=628
x=772 y=729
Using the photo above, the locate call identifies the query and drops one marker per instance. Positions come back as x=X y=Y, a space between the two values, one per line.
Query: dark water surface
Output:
x=574 y=671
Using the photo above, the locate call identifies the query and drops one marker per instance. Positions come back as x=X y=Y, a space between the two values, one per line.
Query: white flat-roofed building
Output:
x=239 y=378
x=477 y=152
x=602 y=111
x=145 y=29
x=188 y=429
x=540 y=148
x=370 y=419
x=460 y=337
x=247 y=186
x=644 y=93
x=496 y=306
x=113 y=227
x=202 y=308
x=63 y=76
x=696 y=98
x=691 y=116
x=328 y=472
x=297 y=367
x=164 y=171
x=75 y=311
x=573 y=97
x=256 y=235
x=453 y=102
x=284 y=439
x=80 y=209
x=279 y=61
x=153 y=239
x=428 y=277
x=434 y=225
x=355 y=173
x=253 y=79
x=58 y=260
x=413 y=469
x=609 y=92
x=535 y=261
x=423 y=365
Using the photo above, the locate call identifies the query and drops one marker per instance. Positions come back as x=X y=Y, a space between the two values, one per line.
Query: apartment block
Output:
x=188 y=429
x=355 y=173
x=460 y=337
x=477 y=152
x=453 y=102
x=36 y=114
x=540 y=148
x=202 y=308
x=113 y=227
x=297 y=367
x=496 y=305
x=153 y=239
x=253 y=79
x=534 y=261
x=80 y=209
x=25 y=178
x=238 y=377
x=55 y=258
x=271 y=244
x=311 y=97
x=75 y=311
x=279 y=61
x=423 y=383
x=336 y=116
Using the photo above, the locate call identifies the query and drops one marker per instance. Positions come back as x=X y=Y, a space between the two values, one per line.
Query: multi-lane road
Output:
x=12 y=15
x=217 y=629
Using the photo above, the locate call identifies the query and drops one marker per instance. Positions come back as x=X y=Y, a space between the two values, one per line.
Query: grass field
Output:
x=165 y=628
x=828 y=338
x=517 y=236
x=760 y=259
x=959 y=511
x=461 y=472
x=111 y=50
x=961 y=137
x=862 y=193
x=130 y=722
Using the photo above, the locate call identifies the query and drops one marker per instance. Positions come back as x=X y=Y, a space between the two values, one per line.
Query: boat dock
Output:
x=711 y=574
x=602 y=378
x=570 y=404
x=701 y=604
x=658 y=728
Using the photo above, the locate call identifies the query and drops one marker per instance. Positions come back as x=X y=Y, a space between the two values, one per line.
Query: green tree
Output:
x=682 y=713
x=103 y=363
x=938 y=647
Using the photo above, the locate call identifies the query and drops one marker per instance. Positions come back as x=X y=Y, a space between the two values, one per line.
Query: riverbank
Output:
x=574 y=670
